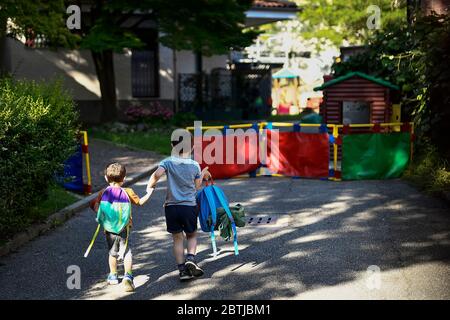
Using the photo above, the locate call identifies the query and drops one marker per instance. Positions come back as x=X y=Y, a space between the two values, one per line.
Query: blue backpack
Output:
x=209 y=199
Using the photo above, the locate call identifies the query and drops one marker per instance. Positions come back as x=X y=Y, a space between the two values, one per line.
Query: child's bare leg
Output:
x=128 y=276
x=128 y=263
x=191 y=265
x=178 y=247
x=112 y=264
x=191 y=243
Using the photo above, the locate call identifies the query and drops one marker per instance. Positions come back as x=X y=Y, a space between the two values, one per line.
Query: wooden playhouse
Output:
x=357 y=98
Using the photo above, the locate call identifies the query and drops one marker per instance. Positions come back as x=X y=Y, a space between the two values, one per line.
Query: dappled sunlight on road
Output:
x=310 y=238
x=270 y=234
x=322 y=238
x=256 y=199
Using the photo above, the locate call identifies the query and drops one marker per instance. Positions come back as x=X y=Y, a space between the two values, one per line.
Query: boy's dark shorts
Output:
x=116 y=242
x=181 y=218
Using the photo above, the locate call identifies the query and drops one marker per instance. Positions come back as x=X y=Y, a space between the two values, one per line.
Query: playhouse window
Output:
x=355 y=112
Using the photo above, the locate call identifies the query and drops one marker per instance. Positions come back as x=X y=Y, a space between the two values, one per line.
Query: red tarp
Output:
x=242 y=158
x=299 y=154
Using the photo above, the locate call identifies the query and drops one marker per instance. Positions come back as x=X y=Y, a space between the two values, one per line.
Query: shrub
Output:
x=137 y=113
x=184 y=119
x=38 y=126
x=430 y=171
x=153 y=113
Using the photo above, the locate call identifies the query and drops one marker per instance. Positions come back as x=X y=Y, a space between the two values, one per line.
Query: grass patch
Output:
x=156 y=140
x=58 y=198
x=429 y=172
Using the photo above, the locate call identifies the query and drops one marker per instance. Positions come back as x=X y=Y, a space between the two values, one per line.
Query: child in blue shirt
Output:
x=184 y=178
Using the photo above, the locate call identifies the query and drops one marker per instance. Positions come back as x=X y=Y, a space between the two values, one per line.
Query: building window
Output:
x=355 y=112
x=144 y=73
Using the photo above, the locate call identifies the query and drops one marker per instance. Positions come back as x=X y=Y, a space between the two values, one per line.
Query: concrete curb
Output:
x=60 y=217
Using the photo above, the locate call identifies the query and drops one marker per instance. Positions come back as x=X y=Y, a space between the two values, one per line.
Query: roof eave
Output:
x=380 y=82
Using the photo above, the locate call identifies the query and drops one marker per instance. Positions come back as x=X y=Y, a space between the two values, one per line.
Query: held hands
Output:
x=154 y=178
x=206 y=174
x=145 y=198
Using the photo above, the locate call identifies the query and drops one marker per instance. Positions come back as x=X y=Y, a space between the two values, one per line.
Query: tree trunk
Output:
x=104 y=66
x=412 y=8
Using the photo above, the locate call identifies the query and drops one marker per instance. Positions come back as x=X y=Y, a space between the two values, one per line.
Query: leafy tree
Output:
x=412 y=56
x=205 y=26
x=37 y=17
x=208 y=27
x=343 y=20
x=103 y=36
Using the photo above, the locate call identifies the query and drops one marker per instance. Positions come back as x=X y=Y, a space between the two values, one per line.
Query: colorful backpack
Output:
x=114 y=213
x=209 y=199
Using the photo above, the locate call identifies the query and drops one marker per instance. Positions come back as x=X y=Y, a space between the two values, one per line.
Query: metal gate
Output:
x=241 y=93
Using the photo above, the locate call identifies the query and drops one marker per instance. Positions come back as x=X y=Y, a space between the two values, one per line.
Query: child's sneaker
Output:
x=128 y=282
x=193 y=268
x=113 y=279
x=185 y=275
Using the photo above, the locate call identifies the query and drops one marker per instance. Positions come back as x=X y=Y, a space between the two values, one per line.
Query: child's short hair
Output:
x=181 y=138
x=115 y=172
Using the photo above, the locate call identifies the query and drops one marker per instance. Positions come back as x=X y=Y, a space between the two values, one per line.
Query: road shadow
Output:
x=335 y=232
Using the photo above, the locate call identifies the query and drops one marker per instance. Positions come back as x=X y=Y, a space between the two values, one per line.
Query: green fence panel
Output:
x=375 y=156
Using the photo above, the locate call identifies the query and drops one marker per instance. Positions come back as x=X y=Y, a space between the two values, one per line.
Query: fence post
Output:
x=335 y=148
x=84 y=147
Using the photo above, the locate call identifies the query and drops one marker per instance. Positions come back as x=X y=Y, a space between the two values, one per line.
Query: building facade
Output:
x=142 y=76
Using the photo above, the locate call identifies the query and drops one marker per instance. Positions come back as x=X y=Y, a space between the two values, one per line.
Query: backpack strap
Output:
x=99 y=213
x=202 y=203
x=224 y=204
x=212 y=206
x=92 y=241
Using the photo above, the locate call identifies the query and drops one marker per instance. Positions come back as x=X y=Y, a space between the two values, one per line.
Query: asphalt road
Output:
x=322 y=239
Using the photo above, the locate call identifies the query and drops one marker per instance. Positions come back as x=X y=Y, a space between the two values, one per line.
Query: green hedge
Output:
x=38 y=125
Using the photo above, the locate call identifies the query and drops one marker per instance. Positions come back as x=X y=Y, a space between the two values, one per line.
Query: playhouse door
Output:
x=355 y=112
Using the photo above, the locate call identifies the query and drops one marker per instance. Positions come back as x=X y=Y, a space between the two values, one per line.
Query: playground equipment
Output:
x=357 y=98
x=73 y=168
x=285 y=90
x=380 y=151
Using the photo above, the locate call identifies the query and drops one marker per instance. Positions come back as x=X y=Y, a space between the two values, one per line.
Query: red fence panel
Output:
x=299 y=154
x=240 y=157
